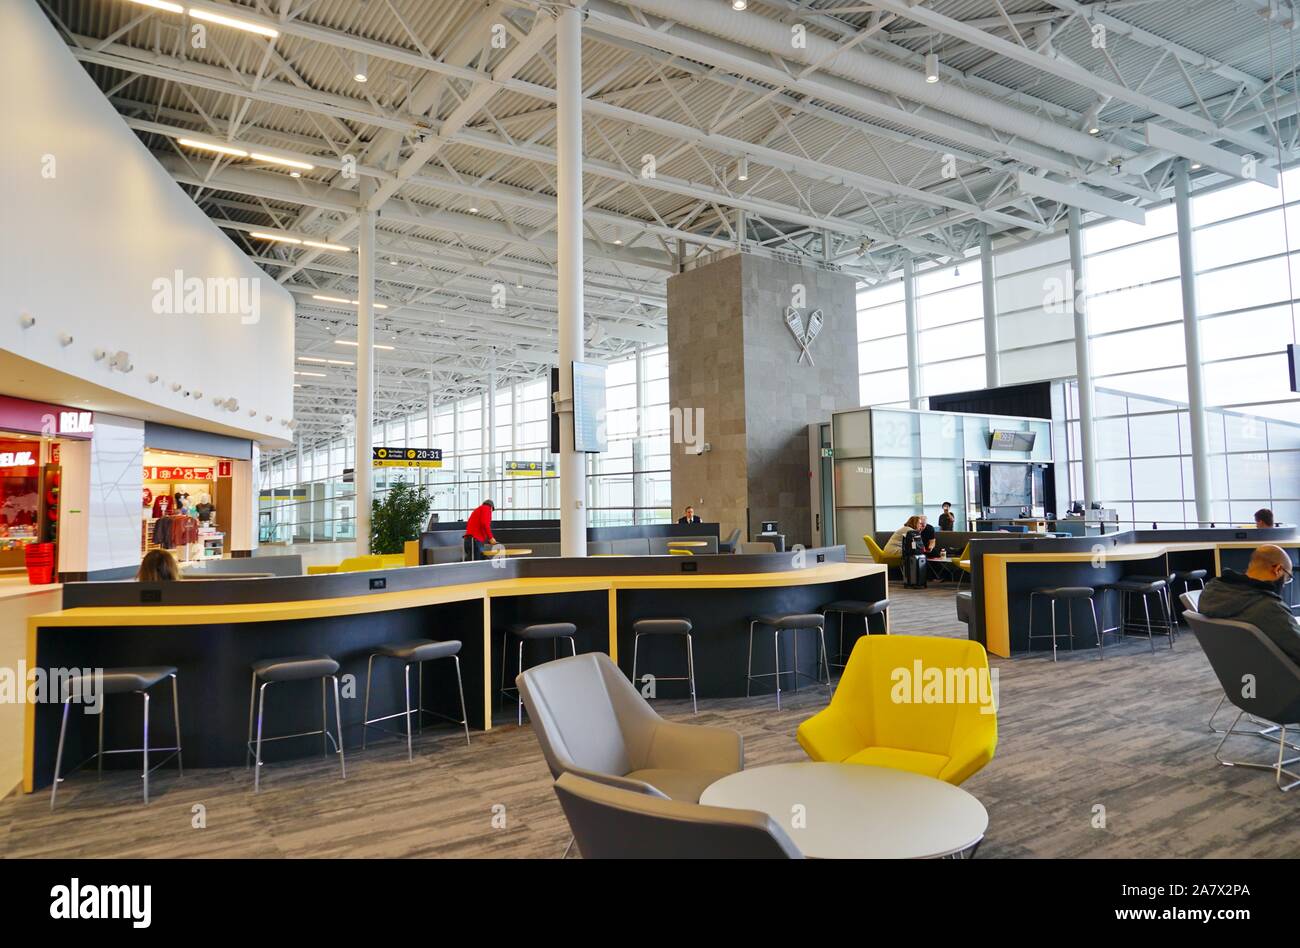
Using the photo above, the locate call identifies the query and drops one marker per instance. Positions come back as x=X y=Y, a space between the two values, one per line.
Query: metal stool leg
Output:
x=520 y=709
x=176 y=714
x=460 y=687
x=419 y=697
x=365 y=714
x=573 y=645
x=1032 y=595
x=338 y=726
x=505 y=649
x=406 y=674
x=796 y=660
x=690 y=671
x=776 y=650
x=252 y=698
x=58 y=756
x=99 y=757
x=749 y=665
x=1146 y=608
x=257 y=761
x=324 y=721
x=1168 y=617
x=145 y=772
x=826 y=665
x=1052 y=602
x=1096 y=626
x=636 y=644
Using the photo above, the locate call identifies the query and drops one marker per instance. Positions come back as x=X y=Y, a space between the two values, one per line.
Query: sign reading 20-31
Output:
x=406 y=457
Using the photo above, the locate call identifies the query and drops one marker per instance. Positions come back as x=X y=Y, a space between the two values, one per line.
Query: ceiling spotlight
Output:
x=1196 y=166
x=742 y=168
x=931 y=68
x=295 y=174
x=360 y=67
x=1092 y=119
x=473 y=210
x=618 y=242
x=739 y=4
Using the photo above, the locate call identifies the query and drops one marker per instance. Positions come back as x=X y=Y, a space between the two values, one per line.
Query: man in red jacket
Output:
x=478 y=530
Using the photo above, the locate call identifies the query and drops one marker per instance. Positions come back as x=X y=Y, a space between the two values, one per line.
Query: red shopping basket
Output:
x=40 y=563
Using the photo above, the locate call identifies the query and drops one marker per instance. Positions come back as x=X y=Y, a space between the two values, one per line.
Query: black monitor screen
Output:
x=1009 y=485
x=769 y=526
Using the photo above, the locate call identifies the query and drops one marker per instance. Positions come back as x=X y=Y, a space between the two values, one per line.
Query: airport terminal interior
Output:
x=650 y=429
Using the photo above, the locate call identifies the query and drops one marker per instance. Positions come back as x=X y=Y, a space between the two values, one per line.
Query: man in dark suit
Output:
x=690 y=517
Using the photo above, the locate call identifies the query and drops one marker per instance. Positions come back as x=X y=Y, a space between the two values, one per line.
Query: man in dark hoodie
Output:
x=1255 y=597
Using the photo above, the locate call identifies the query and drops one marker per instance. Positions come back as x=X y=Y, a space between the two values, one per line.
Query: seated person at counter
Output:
x=688 y=516
x=1263 y=518
x=1255 y=597
x=946 y=519
x=917 y=522
x=478 y=530
x=158 y=566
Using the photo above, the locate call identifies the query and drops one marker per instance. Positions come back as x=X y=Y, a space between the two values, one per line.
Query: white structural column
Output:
x=1192 y=344
x=365 y=365
x=1083 y=360
x=913 y=334
x=568 y=207
x=992 y=364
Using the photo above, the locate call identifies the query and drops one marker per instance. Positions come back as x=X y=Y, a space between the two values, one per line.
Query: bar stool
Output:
x=120 y=681
x=1144 y=588
x=667 y=627
x=1186 y=577
x=792 y=623
x=1070 y=594
x=271 y=671
x=537 y=632
x=414 y=652
x=853 y=607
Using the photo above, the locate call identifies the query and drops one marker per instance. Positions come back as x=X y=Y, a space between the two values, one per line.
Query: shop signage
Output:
x=530 y=469
x=406 y=457
x=39 y=418
x=179 y=474
x=18 y=459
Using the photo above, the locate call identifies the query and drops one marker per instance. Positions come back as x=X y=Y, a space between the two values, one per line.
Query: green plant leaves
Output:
x=399 y=517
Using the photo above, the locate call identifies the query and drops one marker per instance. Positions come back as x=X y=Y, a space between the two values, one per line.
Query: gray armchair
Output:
x=1239 y=652
x=612 y=823
x=591 y=721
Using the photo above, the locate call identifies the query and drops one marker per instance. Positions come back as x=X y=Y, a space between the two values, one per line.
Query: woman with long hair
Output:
x=158 y=566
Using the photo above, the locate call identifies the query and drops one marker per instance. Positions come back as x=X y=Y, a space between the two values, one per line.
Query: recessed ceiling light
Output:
x=739 y=4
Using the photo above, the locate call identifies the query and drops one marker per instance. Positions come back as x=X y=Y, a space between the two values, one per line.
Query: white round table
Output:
x=852 y=811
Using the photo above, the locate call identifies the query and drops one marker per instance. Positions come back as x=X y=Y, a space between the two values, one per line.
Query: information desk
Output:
x=1005 y=571
x=213 y=631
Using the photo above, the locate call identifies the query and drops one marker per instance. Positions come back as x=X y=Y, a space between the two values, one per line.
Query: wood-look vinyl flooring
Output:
x=1127 y=734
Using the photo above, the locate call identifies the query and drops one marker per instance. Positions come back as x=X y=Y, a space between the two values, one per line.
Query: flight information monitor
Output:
x=588 y=407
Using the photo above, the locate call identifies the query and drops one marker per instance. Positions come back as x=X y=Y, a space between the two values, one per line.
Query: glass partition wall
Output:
x=893 y=463
x=630 y=483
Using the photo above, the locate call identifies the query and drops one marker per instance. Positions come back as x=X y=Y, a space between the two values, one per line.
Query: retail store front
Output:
x=186 y=504
x=31 y=435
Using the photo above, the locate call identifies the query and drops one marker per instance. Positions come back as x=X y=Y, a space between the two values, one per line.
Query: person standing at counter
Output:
x=1263 y=518
x=946 y=519
x=1255 y=597
x=478 y=530
x=688 y=516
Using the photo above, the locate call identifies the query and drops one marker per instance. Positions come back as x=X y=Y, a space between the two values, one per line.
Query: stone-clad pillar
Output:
x=742 y=383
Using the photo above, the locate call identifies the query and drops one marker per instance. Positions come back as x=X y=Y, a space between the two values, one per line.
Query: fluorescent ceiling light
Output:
x=353 y=343
x=339 y=299
x=311 y=359
x=230 y=21
x=161 y=5
x=315 y=375
x=212 y=146
x=282 y=238
x=287 y=162
x=324 y=246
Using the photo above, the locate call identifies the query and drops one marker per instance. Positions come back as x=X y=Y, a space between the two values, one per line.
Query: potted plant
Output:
x=399 y=517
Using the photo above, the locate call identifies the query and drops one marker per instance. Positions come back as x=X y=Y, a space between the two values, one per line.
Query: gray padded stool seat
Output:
x=793 y=622
x=295 y=668
x=667 y=627
x=1144 y=587
x=116 y=681
x=965 y=606
x=270 y=671
x=856 y=607
x=533 y=632
x=414 y=652
x=1070 y=594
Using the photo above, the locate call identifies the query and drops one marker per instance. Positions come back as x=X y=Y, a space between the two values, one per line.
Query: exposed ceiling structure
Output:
x=850 y=134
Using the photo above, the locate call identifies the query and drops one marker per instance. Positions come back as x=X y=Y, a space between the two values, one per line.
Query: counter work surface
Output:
x=212 y=644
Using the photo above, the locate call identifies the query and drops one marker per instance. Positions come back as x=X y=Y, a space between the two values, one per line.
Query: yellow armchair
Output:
x=879 y=555
x=910 y=702
x=359 y=564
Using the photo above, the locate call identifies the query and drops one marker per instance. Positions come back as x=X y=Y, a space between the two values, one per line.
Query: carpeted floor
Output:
x=1124 y=739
